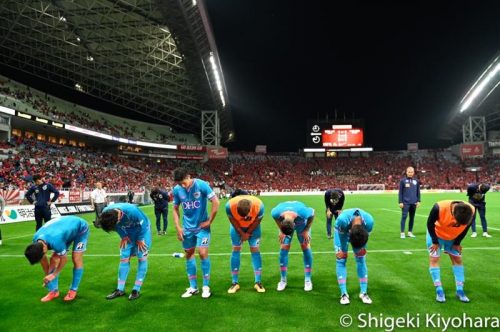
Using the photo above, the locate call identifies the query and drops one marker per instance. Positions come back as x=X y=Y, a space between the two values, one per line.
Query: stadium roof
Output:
x=152 y=57
x=482 y=99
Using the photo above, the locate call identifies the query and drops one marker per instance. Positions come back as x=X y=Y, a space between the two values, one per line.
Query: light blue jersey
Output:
x=59 y=233
x=344 y=220
x=194 y=203
x=134 y=223
x=300 y=209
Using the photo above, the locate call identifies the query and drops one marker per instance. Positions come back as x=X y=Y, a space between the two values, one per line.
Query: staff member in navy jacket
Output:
x=409 y=200
x=476 y=193
x=334 y=202
x=39 y=194
x=160 y=198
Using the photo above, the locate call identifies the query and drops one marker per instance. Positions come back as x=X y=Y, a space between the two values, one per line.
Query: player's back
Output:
x=61 y=230
x=134 y=215
x=303 y=212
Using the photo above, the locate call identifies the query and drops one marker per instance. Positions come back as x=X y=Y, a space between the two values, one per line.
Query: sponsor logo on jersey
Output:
x=189 y=205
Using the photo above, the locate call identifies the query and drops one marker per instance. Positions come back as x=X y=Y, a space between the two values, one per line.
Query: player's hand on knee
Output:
x=328 y=214
x=245 y=237
x=124 y=242
x=306 y=236
x=141 y=246
x=341 y=255
x=457 y=248
x=281 y=237
x=433 y=249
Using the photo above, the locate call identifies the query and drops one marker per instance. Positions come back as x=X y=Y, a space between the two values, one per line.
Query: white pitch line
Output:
x=277 y=253
x=17 y=237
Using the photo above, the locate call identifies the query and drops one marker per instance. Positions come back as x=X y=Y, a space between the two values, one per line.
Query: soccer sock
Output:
x=362 y=274
x=77 y=276
x=257 y=265
x=342 y=275
x=123 y=269
x=436 y=277
x=54 y=284
x=142 y=269
x=283 y=263
x=458 y=271
x=307 y=263
x=235 y=265
x=191 y=272
x=205 y=268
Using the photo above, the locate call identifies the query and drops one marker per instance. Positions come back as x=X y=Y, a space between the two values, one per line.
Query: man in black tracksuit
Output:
x=39 y=194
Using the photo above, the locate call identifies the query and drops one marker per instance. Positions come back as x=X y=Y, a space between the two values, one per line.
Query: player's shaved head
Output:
x=410 y=171
x=108 y=220
x=358 y=236
x=243 y=207
x=463 y=213
x=34 y=252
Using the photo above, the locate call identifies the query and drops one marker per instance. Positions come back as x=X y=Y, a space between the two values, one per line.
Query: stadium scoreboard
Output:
x=332 y=135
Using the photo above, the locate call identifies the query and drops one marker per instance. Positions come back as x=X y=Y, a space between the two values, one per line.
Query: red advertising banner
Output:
x=12 y=197
x=472 y=150
x=342 y=137
x=75 y=196
x=217 y=153
x=184 y=147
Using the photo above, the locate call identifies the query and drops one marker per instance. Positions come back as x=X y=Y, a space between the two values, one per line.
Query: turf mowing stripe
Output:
x=399 y=211
x=277 y=253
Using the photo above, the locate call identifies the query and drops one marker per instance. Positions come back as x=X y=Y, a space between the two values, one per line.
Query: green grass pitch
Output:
x=399 y=282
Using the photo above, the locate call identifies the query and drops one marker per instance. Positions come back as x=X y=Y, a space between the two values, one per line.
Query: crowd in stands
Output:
x=26 y=100
x=79 y=168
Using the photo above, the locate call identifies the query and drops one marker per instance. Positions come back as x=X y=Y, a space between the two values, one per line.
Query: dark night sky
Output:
x=401 y=66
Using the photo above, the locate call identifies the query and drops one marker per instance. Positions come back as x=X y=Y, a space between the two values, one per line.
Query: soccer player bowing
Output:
x=354 y=226
x=193 y=195
x=57 y=235
x=294 y=216
x=245 y=214
x=447 y=225
x=134 y=229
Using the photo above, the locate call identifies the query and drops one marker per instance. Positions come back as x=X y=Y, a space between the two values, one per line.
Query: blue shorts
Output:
x=446 y=245
x=253 y=241
x=131 y=248
x=341 y=243
x=193 y=239
x=80 y=242
x=298 y=229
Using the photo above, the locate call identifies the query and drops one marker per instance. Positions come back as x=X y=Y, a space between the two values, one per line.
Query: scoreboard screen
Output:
x=322 y=134
x=342 y=138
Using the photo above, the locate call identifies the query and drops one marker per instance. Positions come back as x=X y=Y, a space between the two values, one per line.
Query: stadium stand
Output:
x=80 y=168
x=31 y=101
